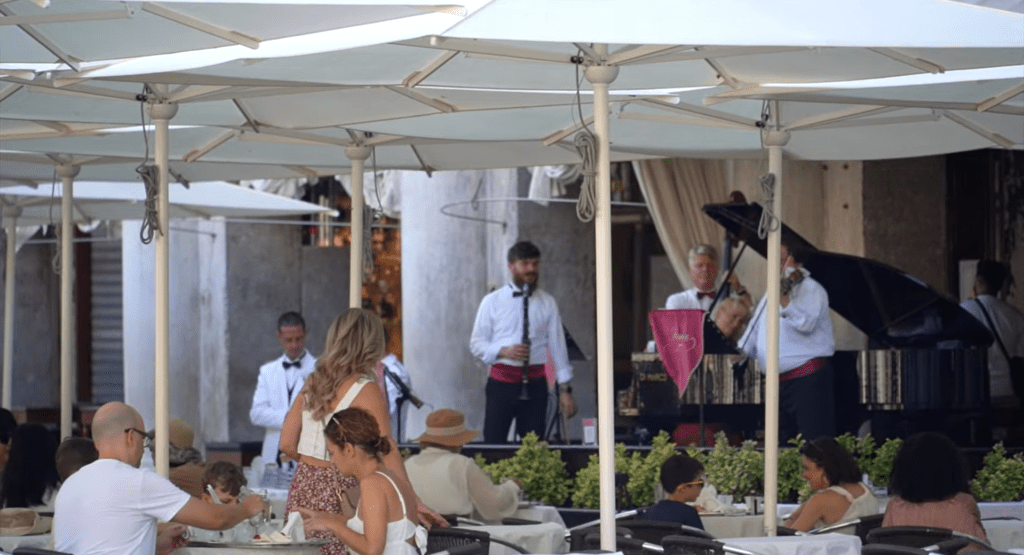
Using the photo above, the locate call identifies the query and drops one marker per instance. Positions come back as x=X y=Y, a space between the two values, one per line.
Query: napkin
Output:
x=708 y=500
x=294 y=528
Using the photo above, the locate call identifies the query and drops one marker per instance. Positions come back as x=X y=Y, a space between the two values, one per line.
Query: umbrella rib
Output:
x=679 y=120
x=902 y=57
x=471 y=46
x=874 y=122
x=204 y=150
x=699 y=110
x=75 y=89
x=937 y=105
x=194 y=92
x=984 y=132
x=306 y=137
x=308 y=173
x=835 y=117
x=1000 y=98
x=643 y=52
x=416 y=77
x=44 y=42
x=245 y=114
x=202 y=26
x=423 y=165
x=725 y=75
x=439 y=105
x=62 y=18
x=565 y=132
x=8 y=91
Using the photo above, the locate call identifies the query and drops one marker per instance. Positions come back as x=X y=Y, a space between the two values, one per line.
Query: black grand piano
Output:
x=925 y=366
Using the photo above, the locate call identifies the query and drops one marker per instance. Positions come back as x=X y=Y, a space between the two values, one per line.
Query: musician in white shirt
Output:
x=497 y=340
x=703 y=265
x=280 y=381
x=806 y=346
x=1009 y=325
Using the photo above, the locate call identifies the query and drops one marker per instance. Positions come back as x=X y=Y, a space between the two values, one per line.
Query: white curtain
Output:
x=676 y=191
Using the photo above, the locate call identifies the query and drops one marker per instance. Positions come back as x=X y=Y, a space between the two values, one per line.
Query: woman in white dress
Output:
x=384 y=523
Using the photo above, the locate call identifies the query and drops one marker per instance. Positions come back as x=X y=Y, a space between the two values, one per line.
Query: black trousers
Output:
x=503 y=405
x=807 y=406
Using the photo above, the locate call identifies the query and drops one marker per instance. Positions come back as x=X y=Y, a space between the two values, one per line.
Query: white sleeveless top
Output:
x=398 y=531
x=864 y=505
x=312 y=442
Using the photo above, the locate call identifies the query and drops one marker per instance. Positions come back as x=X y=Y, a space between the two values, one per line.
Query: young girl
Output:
x=385 y=523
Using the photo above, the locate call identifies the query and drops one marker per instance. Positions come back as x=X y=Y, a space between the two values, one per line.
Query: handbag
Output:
x=1016 y=363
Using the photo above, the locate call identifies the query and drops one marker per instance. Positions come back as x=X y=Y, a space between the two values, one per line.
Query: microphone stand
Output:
x=404 y=395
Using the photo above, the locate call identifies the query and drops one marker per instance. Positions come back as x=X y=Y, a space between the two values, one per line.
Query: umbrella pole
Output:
x=67 y=173
x=162 y=113
x=600 y=76
x=357 y=155
x=12 y=227
x=775 y=138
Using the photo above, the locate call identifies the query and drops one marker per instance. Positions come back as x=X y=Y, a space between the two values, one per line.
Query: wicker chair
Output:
x=25 y=550
x=628 y=546
x=690 y=545
x=947 y=546
x=654 y=530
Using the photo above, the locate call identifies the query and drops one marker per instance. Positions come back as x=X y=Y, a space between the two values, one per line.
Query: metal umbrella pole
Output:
x=600 y=76
x=775 y=138
x=358 y=155
x=67 y=173
x=162 y=112
x=9 y=273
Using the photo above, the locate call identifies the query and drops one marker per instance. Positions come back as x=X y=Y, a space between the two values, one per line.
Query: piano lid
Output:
x=893 y=308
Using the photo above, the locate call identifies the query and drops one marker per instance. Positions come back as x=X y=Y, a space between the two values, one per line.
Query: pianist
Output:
x=703 y=265
x=806 y=346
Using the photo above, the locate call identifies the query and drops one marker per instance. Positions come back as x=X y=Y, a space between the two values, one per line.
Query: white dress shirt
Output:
x=499 y=323
x=688 y=299
x=1010 y=326
x=805 y=328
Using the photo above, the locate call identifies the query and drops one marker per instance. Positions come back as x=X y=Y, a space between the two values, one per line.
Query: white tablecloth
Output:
x=1013 y=509
x=1004 y=534
x=540 y=513
x=825 y=544
x=734 y=526
x=547 y=537
x=281 y=549
x=8 y=543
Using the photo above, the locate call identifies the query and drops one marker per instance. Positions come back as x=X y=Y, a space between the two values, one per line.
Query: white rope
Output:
x=586 y=146
x=150 y=221
x=769 y=222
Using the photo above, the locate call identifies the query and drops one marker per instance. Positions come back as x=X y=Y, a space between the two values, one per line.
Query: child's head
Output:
x=227 y=481
x=682 y=477
x=72 y=454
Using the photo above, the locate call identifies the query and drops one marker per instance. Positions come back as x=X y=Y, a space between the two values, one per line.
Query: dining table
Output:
x=304 y=548
x=545 y=537
x=824 y=544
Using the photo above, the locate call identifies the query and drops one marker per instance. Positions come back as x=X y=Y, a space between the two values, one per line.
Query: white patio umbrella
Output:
x=89 y=201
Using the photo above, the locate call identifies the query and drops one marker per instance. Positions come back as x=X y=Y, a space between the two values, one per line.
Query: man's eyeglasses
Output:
x=147 y=438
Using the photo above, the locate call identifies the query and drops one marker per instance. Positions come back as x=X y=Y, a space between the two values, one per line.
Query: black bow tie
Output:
x=287 y=365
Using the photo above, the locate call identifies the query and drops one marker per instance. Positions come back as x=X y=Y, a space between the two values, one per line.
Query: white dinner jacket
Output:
x=270 y=402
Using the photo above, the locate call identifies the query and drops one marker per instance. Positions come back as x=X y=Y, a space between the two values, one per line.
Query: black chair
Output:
x=866 y=524
x=25 y=550
x=513 y=521
x=920 y=537
x=947 y=546
x=628 y=546
x=577 y=536
x=787 y=531
x=654 y=530
x=444 y=539
x=689 y=545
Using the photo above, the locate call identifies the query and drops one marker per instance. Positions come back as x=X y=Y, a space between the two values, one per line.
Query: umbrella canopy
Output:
x=94 y=201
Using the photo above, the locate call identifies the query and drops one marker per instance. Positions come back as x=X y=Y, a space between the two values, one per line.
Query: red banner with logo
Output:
x=679 y=335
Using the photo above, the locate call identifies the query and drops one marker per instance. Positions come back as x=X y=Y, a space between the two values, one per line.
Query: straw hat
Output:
x=23 y=522
x=447 y=427
x=180 y=433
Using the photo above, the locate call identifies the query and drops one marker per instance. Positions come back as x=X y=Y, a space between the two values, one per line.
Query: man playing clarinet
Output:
x=516 y=326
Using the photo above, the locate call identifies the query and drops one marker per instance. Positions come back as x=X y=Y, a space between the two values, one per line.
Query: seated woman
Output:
x=30 y=478
x=835 y=478
x=682 y=477
x=930 y=487
x=384 y=523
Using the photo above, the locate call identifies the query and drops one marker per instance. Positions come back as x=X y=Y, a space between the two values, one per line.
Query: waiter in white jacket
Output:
x=280 y=382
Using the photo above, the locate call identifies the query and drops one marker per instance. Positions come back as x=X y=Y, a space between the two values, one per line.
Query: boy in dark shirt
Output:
x=682 y=477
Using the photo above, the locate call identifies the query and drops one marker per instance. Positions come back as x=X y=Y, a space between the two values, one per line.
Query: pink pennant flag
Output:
x=679 y=335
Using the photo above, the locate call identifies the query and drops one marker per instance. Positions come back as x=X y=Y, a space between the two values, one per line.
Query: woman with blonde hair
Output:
x=355 y=342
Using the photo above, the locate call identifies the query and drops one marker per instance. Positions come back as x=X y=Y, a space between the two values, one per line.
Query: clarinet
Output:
x=524 y=395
